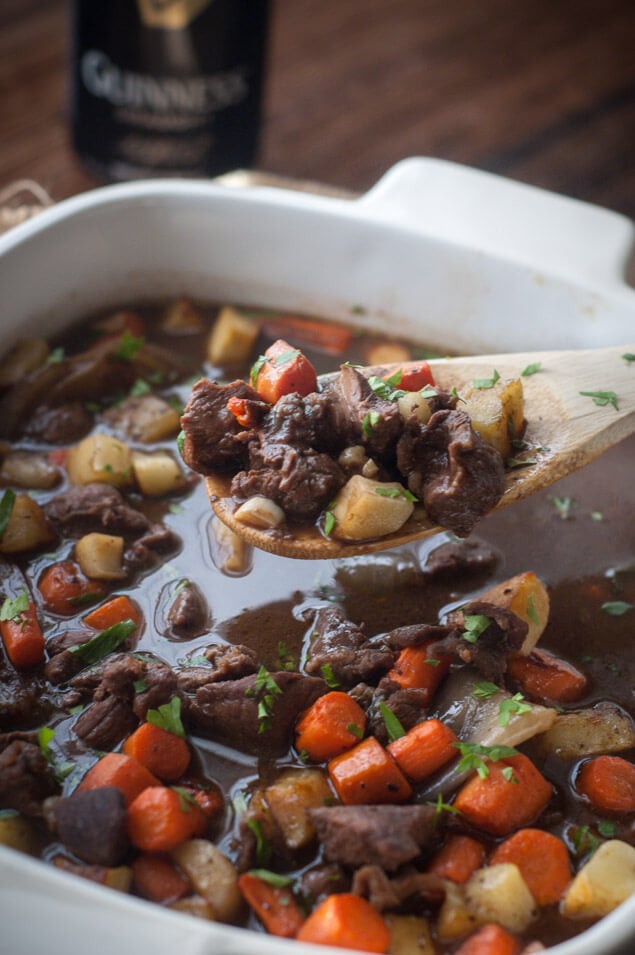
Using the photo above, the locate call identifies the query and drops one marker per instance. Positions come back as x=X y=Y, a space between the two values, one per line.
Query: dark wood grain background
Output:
x=538 y=90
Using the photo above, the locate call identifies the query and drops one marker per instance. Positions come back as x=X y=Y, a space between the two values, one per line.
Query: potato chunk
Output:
x=182 y=317
x=259 y=511
x=212 y=875
x=497 y=413
x=499 y=893
x=409 y=935
x=157 y=473
x=293 y=793
x=145 y=418
x=413 y=403
x=364 y=509
x=100 y=556
x=19 y=833
x=232 y=338
x=527 y=597
x=603 y=729
x=27 y=527
x=99 y=457
x=603 y=883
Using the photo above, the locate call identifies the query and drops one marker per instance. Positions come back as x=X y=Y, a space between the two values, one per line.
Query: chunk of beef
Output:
x=105 y=723
x=92 y=825
x=23 y=702
x=413 y=635
x=301 y=481
x=355 y=403
x=342 y=645
x=503 y=637
x=250 y=715
x=138 y=684
x=62 y=664
x=25 y=778
x=457 y=475
x=459 y=558
x=101 y=508
x=228 y=662
x=304 y=422
x=322 y=880
x=372 y=883
x=62 y=425
x=213 y=439
x=188 y=613
x=387 y=836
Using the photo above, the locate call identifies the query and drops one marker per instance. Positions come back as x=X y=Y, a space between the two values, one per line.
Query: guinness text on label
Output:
x=197 y=94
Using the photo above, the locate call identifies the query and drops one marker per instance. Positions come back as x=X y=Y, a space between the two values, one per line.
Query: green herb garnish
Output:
x=355 y=730
x=606 y=828
x=485 y=690
x=180 y=441
x=615 y=608
x=140 y=388
x=393 y=727
x=263 y=849
x=272 y=878
x=140 y=686
x=255 y=369
x=512 y=706
x=531 y=611
x=12 y=609
x=329 y=678
x=86 y=599
x=395 y=493
x=45 y=736
x=371 y=419
x=186 y=799
x=516 y=463
x=56 y=356
x=628 y=357
x=531 y=369
x=168 y=717
x=285 y=659
x=286 y=357
x=482 y=384
x=563 y=505
x=475 y=625
x=584 y=841
x=128 y=347
x=267 y=689
x=440 y=806
x=104 y=643
x=602 y=398
x=473 y=756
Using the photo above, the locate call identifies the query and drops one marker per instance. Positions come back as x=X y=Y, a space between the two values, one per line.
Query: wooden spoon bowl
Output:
x=565 y=430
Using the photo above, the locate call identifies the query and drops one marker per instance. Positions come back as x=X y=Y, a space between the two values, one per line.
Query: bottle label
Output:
x=170 y=14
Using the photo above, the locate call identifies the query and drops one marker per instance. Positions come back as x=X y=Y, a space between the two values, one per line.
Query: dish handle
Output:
x=542 y=230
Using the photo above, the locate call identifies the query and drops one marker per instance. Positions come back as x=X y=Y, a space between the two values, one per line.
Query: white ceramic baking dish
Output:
x=458 y=258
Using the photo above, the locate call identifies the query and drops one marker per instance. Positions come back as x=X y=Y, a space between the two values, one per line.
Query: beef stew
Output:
x=133 y=620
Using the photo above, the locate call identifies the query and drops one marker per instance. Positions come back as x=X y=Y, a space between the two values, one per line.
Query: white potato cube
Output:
x=100 y=556
x=497 y=413
x=232 y=338
x=603 y=729
x=27 y=527
x=603 y=883
x=499 y=893
x=213 y=876
x=409 y=935
x=413 y=403
x=260 y=512
x=364 y=509
x=290 y=796
x=157 y=473
x=527 y=597
x=99 y=457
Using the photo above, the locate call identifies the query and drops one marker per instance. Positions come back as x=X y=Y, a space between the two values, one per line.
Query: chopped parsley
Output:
x=285 y=659
x=400 y=493
x=267 y=690
x=186 y=799
x=286 y=357
x=104 y=642
x=140 y=388
x=512 y=706
x=482 y=384
x=440 y=806
x=6 y=507
x=355 y=730
x=180 y=441
x=386 y=387
x=531 y=611
x=473 y=756
x=45 y=736
x=628 y=357
x=255 y=369
x=485 y=690
x=272 y=878
x=597 y=516
x=168 y=717
x=263 y=849
x=329 y=522
x=56 y=356
x=531 y=369
x=12 y=609
x=585 y=841
x=128 y=347
x=602 y=398
x=563 y=505
x=329 y=677
x=615 y=608
x=516 y=463
x=606 y=829
x=140 y=686
x=393 y=727
x=475 y=625
x=370 y=422
x=86 y=599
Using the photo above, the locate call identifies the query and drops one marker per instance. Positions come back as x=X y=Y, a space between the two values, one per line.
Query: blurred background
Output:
x=541 y=91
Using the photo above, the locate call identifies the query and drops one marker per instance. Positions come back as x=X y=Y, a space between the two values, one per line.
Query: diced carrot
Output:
x=609 y=784
x=166 y=755
x=285 y=371
x=346 y=921
x=62 y=586
x=332 y=725
x=243 y=411
x=322 y=336
x=158 y=879
x=23 y=638
x=413 y=379
x=512 y=795
x=425 y=748
x=112 y=612
x=274 y=905
x=543 y=677
x=415 y=668
x=490 y=939
x=368 y=774
x=160 y=819
x=543 y=861
x=117 y=769
x=457 y=859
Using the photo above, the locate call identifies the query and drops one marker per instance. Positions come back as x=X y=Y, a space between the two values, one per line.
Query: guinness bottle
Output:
x=167 y=87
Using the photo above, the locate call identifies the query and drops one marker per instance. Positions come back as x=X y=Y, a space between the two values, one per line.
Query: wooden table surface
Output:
x=539 y=90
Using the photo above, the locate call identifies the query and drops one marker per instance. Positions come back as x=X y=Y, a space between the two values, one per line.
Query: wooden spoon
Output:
x=565 y=430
